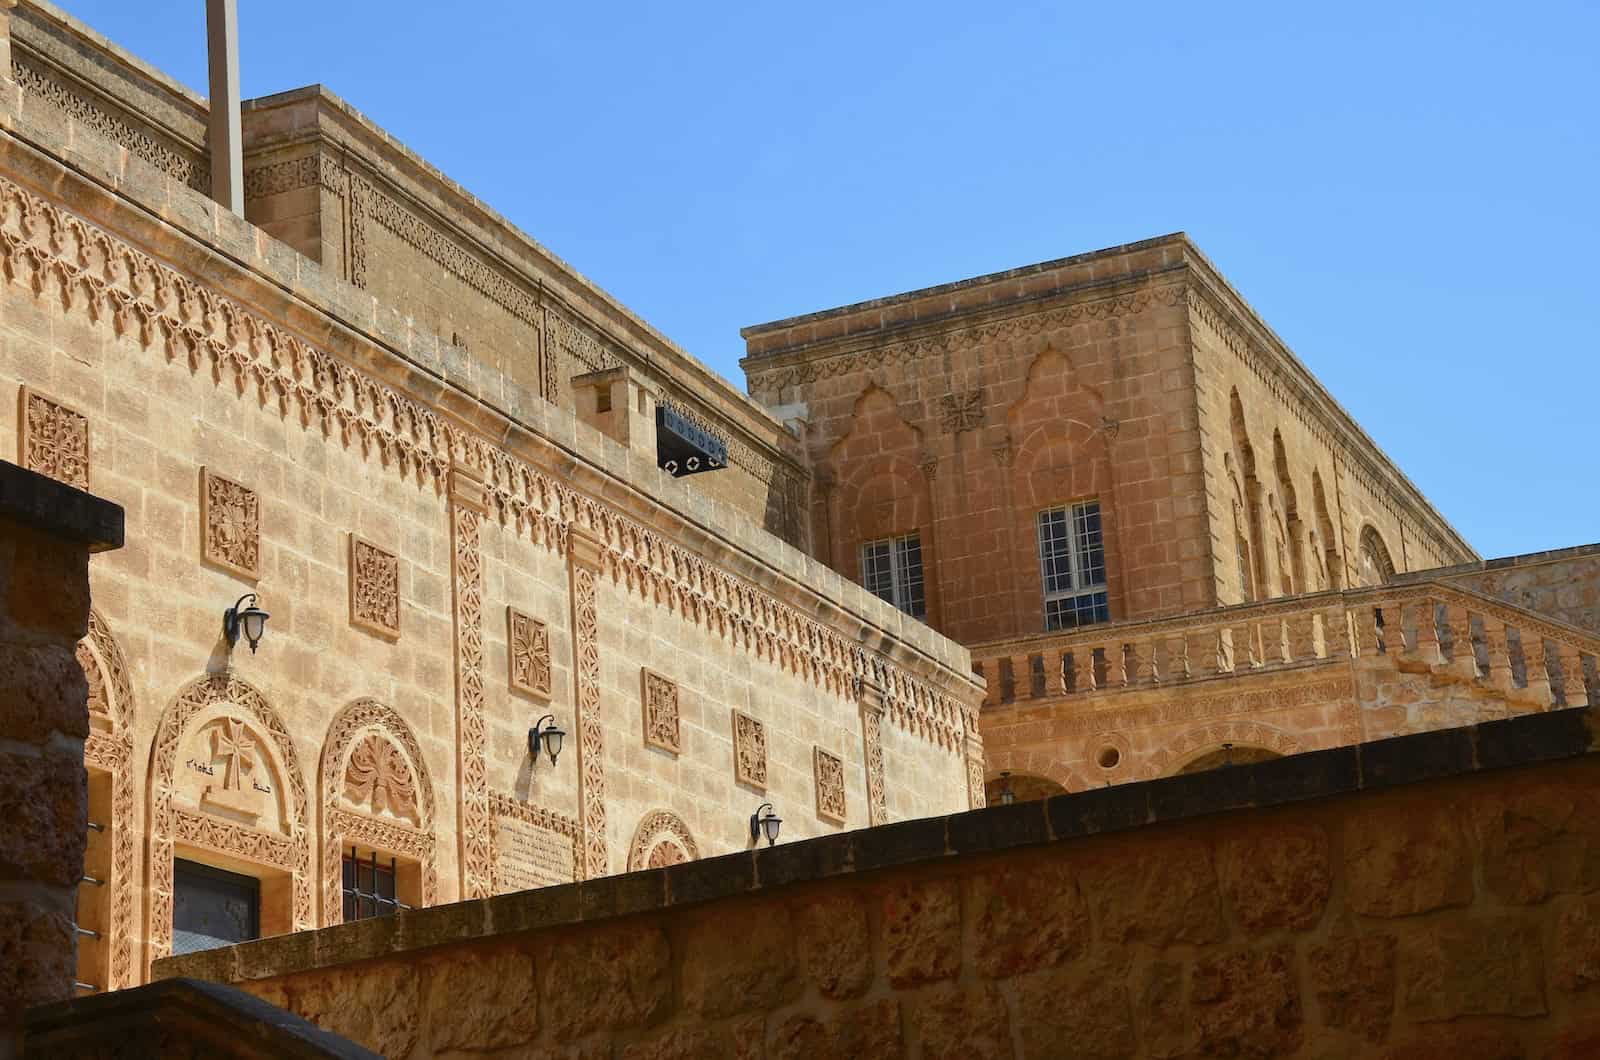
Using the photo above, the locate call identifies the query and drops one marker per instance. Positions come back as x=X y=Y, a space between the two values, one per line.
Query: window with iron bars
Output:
x=891 y=569
x=369 y=887
x=1072 y=562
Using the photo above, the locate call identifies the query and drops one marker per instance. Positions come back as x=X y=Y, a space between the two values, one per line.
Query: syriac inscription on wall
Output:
x=528 y=855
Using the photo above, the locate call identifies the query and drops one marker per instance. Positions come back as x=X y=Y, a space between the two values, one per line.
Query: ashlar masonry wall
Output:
x=1431 y=896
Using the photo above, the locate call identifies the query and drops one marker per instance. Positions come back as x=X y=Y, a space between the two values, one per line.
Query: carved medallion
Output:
x=54 y=439
x=528 y=648
x=961 y=412
x=660 y=697
x=374 y=588
x=749 y=751
x=830 y=786
x=378 y=780
x=665 y=853
x=230 y=524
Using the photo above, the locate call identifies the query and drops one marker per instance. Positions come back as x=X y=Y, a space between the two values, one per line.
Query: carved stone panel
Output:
x=830 y=786
x=749 y=751
x=379 y=781
x=660 y=698
x=533 y=847
x=528 y=647
x=54 y=439
x=961 y=412
x=374 y=588
x=230 y=524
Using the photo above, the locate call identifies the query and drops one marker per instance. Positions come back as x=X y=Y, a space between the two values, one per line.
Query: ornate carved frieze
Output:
x=749 y=751
x=830 y=786
x=872 y=750
x=374 y=588
x=57 y=255
x=54 y=439
x=230 y=524
x=659 y=698
x=528 y=649
x=661 y=839
x=961 y=412
x=230 y=837
x=93 y=115
x=1025 y=323
x=476 y=825
x=584 y=558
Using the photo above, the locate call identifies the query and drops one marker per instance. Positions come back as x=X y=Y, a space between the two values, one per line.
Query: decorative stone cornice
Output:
x=58 y=255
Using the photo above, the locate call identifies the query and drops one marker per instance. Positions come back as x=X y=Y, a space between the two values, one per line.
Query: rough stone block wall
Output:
x=1421 y=904
x=46 y=534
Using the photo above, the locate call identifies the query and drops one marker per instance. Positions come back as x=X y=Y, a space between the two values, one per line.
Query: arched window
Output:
x=1376 y=568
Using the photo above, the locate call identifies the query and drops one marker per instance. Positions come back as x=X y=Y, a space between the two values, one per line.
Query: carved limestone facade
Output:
x=386 y=519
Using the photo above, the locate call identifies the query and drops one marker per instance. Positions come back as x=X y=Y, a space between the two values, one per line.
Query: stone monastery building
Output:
x=1078 y=523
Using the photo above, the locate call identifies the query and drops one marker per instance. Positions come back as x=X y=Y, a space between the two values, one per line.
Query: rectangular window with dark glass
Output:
x=211 y=907
x=369 y=887
x=1072 y=562
x=891 y=569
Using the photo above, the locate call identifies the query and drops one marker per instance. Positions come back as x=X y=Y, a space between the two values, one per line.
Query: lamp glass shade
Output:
x=770 y=825
x=253 y=623
x=552 y=742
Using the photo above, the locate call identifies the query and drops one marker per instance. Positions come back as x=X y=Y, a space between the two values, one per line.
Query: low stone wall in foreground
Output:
x=1432 y=895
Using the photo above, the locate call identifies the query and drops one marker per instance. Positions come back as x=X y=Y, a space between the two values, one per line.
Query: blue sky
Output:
x=1407 y=193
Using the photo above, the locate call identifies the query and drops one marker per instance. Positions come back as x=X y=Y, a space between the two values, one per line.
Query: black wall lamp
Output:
x=765 y=821
x=251 y=621
x=549 y=735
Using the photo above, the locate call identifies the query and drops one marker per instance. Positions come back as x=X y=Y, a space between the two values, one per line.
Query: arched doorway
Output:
x=105 y=910
x=1220 y=757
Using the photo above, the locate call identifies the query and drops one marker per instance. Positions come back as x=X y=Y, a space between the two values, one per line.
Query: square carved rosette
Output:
x=528 y=654
x=53 y=439
x=749 y=751
x=230 y=525
x=659 y=696
x=830 y=786
x=374 y=588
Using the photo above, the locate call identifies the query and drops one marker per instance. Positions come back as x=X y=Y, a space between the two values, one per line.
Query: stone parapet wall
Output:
x=1424 y=896
x=1139 y=699
x=47 y=532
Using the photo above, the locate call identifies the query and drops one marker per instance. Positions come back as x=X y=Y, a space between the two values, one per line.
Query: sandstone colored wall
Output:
x=47 y=532
x=1562 y=583
x=961 y=411
x=1436 y=896
x=272 y=429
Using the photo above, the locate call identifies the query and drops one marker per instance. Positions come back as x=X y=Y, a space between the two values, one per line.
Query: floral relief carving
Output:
x=230 y=524
x=528 y=648
x=872 y=747
x=58 y=255
x=660 y=698
x=749 y=751
x=591 y=744
x=374 y=588
x=378 y=779
x=54 y=439
x=830 y=786
x=371 y=761
x=661 y=839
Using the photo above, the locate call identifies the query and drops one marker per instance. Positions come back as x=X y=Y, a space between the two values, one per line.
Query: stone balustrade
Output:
x=1450 y=632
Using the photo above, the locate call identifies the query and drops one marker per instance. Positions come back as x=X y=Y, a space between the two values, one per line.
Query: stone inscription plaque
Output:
x=528 y=855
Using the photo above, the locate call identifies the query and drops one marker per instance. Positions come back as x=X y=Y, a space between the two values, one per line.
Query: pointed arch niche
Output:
x=881 y=490
x=375 y=796
x=1061 y=456
x=661 y=839
x=226 y=790
x=106 y=897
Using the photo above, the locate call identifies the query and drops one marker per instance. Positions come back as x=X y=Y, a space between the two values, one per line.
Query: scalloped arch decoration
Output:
x=656 y=829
